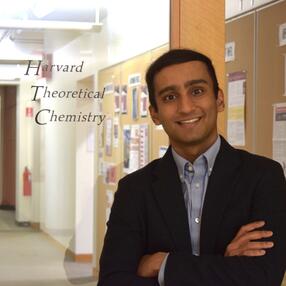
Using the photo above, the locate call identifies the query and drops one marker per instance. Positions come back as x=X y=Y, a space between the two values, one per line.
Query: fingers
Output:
x=254 y=253
x=259 y=245
x=248 y=242
x=254 y=235
x=250 y=227
x=252 y=249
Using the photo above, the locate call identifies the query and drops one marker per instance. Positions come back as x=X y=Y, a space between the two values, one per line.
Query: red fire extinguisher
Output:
x=27 y=182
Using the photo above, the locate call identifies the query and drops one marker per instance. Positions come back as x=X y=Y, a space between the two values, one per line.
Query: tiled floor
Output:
x=30 y=258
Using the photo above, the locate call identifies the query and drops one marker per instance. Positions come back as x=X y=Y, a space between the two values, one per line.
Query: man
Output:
x=206 y=213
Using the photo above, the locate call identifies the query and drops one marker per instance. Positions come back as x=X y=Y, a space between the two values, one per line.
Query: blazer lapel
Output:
x=217 y=195
x=168 y=192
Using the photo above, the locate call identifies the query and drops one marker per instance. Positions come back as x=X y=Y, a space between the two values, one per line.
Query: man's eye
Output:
x=169 y=97
x=197 y=91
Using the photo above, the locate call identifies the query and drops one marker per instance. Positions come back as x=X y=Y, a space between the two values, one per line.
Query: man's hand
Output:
x=149 y=265
x=245 y=242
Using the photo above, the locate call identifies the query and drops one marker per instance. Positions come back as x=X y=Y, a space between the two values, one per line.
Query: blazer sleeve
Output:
x=269 y=204
x=124 y=242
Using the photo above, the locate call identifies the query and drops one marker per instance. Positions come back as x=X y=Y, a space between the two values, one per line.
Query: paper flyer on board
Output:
x=236 y=108
x=279 y=134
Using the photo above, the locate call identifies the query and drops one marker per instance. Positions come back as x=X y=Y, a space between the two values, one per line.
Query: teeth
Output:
x=190 y=121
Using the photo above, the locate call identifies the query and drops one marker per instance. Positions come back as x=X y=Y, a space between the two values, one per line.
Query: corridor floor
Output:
x=31 y=258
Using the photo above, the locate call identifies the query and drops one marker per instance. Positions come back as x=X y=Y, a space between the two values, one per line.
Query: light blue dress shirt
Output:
x=194 y=178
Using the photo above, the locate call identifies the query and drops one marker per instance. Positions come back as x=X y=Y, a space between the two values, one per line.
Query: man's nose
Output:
x=185 y=104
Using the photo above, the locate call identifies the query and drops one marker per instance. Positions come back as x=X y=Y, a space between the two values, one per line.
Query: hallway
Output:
x=31 y=258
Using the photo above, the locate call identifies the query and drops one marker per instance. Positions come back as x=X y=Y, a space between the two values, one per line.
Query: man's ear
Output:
x=220 y=101
x=154 y=115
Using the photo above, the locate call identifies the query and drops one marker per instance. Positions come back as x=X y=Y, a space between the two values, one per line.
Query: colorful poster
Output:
x=124 y=99
x=144 y=101
x=126 y=148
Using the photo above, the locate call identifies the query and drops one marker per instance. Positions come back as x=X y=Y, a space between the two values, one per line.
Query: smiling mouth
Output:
x=189 y=121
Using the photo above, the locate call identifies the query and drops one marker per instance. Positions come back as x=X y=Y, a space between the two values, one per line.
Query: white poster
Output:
x=108 y=136
x=116 y=132
x=236 y=109
x=282 y=34
x=229 y=52
x=143 y=145
x=134 y=148
x=279 y=134
x=116 y=99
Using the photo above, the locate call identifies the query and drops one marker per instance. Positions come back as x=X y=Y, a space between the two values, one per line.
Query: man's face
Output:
x=187 y=106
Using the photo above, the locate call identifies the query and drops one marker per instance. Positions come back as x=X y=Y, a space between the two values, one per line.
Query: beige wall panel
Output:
x=270 y=73
x=110 y=75
x=201 y=26
x=241 y=31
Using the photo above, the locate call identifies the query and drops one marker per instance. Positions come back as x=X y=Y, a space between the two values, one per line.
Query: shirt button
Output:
x=197 y=185
x=197 y=220
x=190 y=167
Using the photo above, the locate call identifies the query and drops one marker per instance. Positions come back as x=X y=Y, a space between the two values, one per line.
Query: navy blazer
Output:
x=149 y=215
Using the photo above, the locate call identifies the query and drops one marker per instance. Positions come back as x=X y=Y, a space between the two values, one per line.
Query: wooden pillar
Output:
x=200 y=25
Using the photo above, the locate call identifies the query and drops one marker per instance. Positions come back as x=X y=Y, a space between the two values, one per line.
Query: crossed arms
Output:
x=254 y=256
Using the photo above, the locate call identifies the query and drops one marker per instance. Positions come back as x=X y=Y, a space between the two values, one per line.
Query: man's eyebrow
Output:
x=167 y=88
x=186 y=84
x=195 y=81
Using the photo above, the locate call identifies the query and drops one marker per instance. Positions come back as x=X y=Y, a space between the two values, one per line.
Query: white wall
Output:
x=69 y=202
x=237 y=7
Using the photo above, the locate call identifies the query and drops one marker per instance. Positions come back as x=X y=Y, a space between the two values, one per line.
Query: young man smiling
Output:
x=206 y=213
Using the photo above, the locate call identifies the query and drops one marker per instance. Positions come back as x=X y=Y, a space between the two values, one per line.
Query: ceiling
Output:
x=64 y=16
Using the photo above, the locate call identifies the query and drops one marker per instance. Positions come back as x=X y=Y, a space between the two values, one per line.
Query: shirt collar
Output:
x=210 y=156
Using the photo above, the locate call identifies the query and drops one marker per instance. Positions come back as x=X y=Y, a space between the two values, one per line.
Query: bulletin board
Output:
x=241 y=33
x=270 y=73
x=127 y=79
x=258 y=53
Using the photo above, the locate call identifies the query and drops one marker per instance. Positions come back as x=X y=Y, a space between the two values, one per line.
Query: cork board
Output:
x=270 y=73
x=241 y=32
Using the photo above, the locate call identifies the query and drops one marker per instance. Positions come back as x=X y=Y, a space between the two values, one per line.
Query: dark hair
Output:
x=177 y=56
